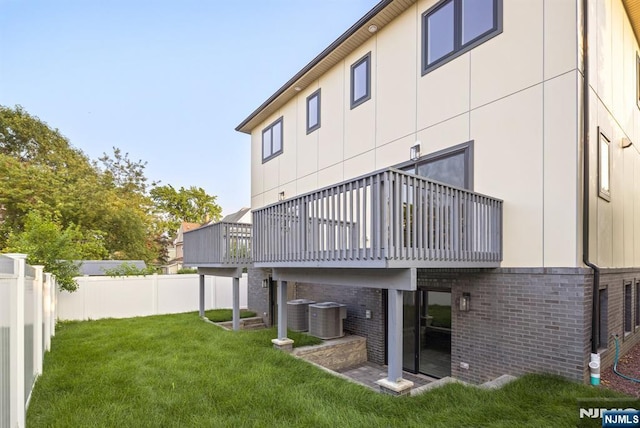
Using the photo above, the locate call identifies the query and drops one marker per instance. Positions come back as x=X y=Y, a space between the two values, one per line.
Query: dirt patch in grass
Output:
x=629 y=365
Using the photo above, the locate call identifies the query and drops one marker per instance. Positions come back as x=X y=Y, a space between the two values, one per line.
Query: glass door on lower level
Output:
x=427 y=332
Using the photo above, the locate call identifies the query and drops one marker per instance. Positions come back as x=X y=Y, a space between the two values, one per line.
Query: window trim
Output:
x=355 y=103
x=606 y=195
x=459 y=48
x=317 y=125
x=466 y=148
x=280 y=121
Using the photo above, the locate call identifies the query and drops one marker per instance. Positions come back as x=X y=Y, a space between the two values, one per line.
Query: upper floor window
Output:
x=313 y=111
x=453 y=27
x=604 y=163
x=638 y=80
x=272 y=140
x=361 y=81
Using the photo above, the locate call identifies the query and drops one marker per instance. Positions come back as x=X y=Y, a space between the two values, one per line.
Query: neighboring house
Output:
x=100 y=267
x=176 y=252
x=243 y=215
x=465 y=176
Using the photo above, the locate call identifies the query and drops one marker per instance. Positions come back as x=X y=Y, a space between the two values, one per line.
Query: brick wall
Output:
x=520 y=321
x=613 y=280
x=258 y=297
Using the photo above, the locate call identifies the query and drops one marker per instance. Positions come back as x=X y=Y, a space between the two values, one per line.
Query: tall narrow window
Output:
x=604 y=163
x=627 y=308
x=603 y=318
x=272 y=140
x=313 y=111
x=361 y=81
x=453 y=27
x=638 y=80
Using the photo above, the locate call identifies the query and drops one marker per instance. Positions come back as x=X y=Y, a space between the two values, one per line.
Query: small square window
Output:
x=604 y=167
x=272 y=140
x=361 y=81
x=313 y=111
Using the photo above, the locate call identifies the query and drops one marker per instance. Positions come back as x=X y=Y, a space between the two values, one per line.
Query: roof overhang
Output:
x=381 y=14
x=633 y=11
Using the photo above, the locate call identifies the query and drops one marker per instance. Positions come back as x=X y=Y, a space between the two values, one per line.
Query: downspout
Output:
x=595 y=327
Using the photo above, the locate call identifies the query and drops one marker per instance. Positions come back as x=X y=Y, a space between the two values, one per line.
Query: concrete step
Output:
x=254 y=323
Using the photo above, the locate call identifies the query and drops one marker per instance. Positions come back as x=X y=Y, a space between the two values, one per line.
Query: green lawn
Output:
x=178 y=371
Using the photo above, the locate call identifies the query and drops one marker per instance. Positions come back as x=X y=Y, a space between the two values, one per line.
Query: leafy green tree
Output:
x=192 y=204
x=47 y=243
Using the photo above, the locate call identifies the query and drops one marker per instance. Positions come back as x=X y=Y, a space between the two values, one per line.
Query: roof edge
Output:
x=352 y=30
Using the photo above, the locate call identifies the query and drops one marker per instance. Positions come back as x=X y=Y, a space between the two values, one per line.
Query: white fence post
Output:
x=54 y=304
x=48 y=314
x=17 y=409
x=38 y=349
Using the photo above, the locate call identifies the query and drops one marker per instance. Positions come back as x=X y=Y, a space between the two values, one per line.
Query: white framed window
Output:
x=361 y=81
x=453 y=27
x=313 y=111
x=272 y=140
x=604 y=166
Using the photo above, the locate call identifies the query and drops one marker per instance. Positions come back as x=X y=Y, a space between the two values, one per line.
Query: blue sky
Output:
x=165 y=81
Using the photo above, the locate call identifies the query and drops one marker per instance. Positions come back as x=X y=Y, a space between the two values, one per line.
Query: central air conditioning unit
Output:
x=298 y=314
x=326 y=318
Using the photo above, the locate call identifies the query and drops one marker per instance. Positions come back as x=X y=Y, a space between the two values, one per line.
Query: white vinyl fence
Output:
x=27 y=322
x=132 y=296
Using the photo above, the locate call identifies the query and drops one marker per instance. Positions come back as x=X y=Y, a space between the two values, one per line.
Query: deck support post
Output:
x=394 y=384
x=236 y=303
x=282 y=342
x=201 y=306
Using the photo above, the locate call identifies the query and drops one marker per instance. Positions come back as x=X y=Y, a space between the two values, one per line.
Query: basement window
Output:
x=627 y=309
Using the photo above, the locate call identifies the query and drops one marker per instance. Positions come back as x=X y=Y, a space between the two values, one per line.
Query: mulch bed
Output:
x=628 y=365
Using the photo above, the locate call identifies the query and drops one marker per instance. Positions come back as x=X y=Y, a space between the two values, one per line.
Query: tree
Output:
x=40 y=171
x=193 y=205
x=46 y=243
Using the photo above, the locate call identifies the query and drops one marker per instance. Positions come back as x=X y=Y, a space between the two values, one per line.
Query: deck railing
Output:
x=218 y=245
x=385 y=219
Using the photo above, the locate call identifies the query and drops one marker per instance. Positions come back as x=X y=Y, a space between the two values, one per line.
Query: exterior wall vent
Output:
x=326 y=319
x=298 y=314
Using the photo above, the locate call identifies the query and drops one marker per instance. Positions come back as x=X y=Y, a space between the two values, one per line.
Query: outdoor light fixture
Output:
x=373 y=28
x=625 y=143
x=281 y=196
x=465 y=302
x=297 y=88
x=414 y=152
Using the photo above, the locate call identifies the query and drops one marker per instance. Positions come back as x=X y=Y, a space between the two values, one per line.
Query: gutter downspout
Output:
x=595 y=327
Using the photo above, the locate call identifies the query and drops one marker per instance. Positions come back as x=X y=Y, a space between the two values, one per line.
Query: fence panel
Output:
x=7 y=280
